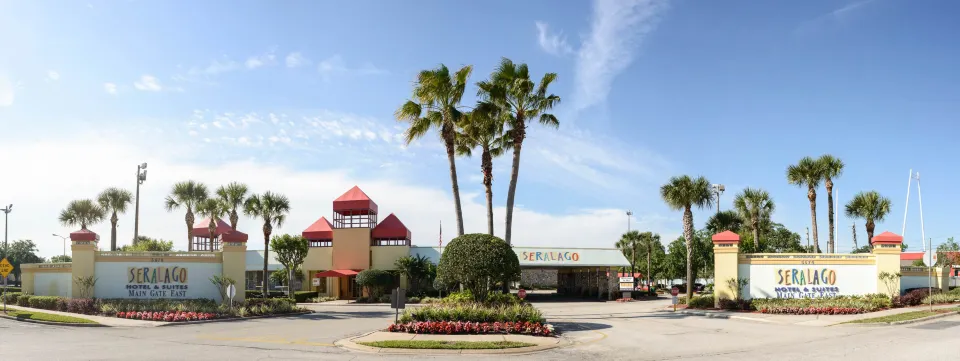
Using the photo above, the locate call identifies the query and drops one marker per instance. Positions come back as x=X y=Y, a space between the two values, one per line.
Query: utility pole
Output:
x=808 y=239
x=718 y=190
x=633 y=253
x=853 y=227
x=141 y=177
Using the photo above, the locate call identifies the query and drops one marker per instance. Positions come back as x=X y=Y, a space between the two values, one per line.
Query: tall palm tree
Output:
x=232 y=195
x=520 y=101
x=81 y=213
x=113 y=201
x=272 y=208
x=683 y=193
x=212 y=208
x=435 y=105
x=727 y=220
x=649 y=242
x=870 y=207
x=186 y=195
x=757 y=206
x=628 y=244
x=483 y=129
x=832 y=168
x=808 y=172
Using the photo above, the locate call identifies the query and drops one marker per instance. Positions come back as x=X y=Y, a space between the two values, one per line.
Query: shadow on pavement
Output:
x=579 y=326
x=327 y=315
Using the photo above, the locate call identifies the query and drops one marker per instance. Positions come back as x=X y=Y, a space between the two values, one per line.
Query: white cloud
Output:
x=148 y=83
x=616 y=30
x=555 y=44
x=295 y=59
x=336 y=65
x=53 y=75
x=257 y=61
x=834 y=16
x=41 y=194
x=216 y=67
x=6 y=91
x=110 y=88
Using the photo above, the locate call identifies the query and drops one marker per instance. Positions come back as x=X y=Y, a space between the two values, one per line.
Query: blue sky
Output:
x=734 y=91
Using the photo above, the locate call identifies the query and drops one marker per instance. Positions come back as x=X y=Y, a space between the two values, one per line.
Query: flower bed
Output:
x=842 y=305
x=159 y=310
x=472 y=313
x=460 y=328
x=169 y=316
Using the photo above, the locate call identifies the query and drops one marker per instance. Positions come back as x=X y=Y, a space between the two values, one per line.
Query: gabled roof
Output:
x=391 y=228
x=726 y=237
x=84 y=235
x=356 y=201
x=200 y=229
x=321 y=229
x=887 y=237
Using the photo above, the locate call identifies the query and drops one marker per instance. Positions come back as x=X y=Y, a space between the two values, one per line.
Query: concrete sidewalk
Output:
x=541 y=343
x=103 y=320
x=805 y=320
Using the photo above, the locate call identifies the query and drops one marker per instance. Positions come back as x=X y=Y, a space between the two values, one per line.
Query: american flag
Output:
x=441 y=233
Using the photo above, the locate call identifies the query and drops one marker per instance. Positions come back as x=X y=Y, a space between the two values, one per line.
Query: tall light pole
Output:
x=141 y=177
x=718 y=190
x=6 y=214
x=64 y=243
x=633 y=253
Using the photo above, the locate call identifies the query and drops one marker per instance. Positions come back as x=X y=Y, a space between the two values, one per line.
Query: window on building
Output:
x=391 y=242
x=321 y=243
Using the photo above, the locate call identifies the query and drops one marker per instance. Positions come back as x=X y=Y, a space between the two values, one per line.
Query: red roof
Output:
x=201 y=229
x=627 y=274
x=391 y=228
x=321 y=229
x=911 y=256
x=84 y=235
x=887 y=237
x=726 y=237
x=355 y=201
x=336 y=273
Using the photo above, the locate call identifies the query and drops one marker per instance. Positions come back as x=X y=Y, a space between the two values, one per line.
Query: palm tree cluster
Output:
x=87 y=212
x=194 y=197
x=508 y=101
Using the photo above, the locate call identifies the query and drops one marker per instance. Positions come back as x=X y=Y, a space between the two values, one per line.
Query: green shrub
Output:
x=160 y=305
x=11 y=289
x=24 y=300
x=701 y=302
x=464 y=296
x=681 y=300
x=304 y=296
x=494 y=298
x=430 y=300
x=322 y=299
x=473 y=313
x=11 y=297
x=474 y=260
x=413 y=300
x=44 y=302
x=375 y=281
x=867 y=303
x=940 y=298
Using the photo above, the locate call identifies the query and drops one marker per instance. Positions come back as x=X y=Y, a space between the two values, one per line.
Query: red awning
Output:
x=336 y=273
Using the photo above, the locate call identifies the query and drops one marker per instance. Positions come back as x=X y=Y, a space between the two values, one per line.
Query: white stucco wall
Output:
x=764 y=281
x=53 y=284
x=114 y=281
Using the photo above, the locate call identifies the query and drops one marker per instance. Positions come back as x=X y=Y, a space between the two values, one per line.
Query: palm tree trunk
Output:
x=266 y=255
x=486 y=167
x=812 y=196
x=448 y=139
x=648 y=267
x=756 y=234
x=830 y=243
x=234 y=217
x=688 y=235
x=512 y=190
x=189 y=218
x=113 y=231
x=870 y=227
x=213 y=230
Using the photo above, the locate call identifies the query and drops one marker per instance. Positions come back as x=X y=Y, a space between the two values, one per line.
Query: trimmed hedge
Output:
x=478 y=261
x=44 y=302
x=11 y=297
x=304 y=296
x=701 y=302
x=831 y=305
x=473 y=313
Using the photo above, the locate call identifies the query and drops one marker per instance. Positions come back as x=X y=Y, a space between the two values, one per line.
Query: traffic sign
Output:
x=930 y=258
x=522 y=293
x=5 y=267
x=626 y=283
x=674 y=291
x=231 y=291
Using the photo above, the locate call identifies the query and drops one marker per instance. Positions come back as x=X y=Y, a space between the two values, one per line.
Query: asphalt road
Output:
x=599 y=331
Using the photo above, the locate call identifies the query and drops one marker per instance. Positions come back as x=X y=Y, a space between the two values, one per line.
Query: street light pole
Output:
x=6 y=215
x=64 y=243
x=718 y=190
x=633 y=253
x=141 y=177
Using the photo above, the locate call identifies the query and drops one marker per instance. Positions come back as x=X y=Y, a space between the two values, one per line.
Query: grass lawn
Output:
x=906 y=316
x=448 y=345
x=40 y=316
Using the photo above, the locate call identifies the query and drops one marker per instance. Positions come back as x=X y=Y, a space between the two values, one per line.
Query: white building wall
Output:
x=768 y=281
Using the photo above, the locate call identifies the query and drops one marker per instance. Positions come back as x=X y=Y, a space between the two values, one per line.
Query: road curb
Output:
x=348 y=344
x=945 y=314
x=54 y=323
x=721 y=316
x=235 y=319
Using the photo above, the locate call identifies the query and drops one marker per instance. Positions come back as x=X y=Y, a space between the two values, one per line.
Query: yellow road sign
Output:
x=5 y=267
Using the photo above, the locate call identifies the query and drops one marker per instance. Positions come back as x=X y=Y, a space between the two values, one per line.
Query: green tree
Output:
x=862 y=249
x=20 y=252
x=186 y=195
x=757 y=206
x=435 y=105
x=948 y=253
x=214 y=209
x=919 y=263
x=808 y=172
x=61 y=259
x=658 y=261
x=728 y=220
x=479 y=261
x=418 y=270
x=233 y=195
x=81 y=213
x=114 y=200
x=520 y=101
x=629 y=245
x=649 y=242
x=832 y=169
x=675 y=263
x=375 y=281
x=683 y=193
x=290 y=251
x=870 y=207
x=779 y=239
x=483 y=128
x=147 y=244
x=272 y=208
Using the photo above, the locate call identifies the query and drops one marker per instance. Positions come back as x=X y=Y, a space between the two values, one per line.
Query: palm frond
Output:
x=115 y=199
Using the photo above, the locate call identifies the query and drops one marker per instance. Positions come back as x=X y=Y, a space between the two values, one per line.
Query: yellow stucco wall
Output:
x=888 y=260
x=234 y=258
x=26 y=280
x=385 y=257
x=84 y=262
x=351 y=248
x=725 y=268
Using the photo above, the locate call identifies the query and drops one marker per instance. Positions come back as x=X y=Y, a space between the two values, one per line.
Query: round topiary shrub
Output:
x=375 y=281
x=478 y=262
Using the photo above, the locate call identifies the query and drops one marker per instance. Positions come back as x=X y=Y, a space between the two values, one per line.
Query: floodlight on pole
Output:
x=718 y=189
x=64 y=243
x=141 y=177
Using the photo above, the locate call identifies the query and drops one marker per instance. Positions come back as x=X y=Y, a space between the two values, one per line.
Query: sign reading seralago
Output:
x=806 y=283
x=788 y=280
x=157 y=282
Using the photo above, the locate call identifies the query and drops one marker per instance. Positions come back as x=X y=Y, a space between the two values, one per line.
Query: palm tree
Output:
x=808 y=172
x=649 y=241
x=869 y=206
x=214 y=209
x=483 y=129
x=520 y=101
x=628 y=244
x=232 y=195
x=435 y=104
x=728 y=220
x=114 y=200
x=832 y=168
x=82 y=213
x=272 y=208
x=683 y=192
x=757 y=206
x=187 y=195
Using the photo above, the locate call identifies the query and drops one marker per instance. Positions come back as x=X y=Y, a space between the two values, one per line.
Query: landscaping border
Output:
x=905 y=322
x=348 y=344
x=234 y=319
x=50 y=323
